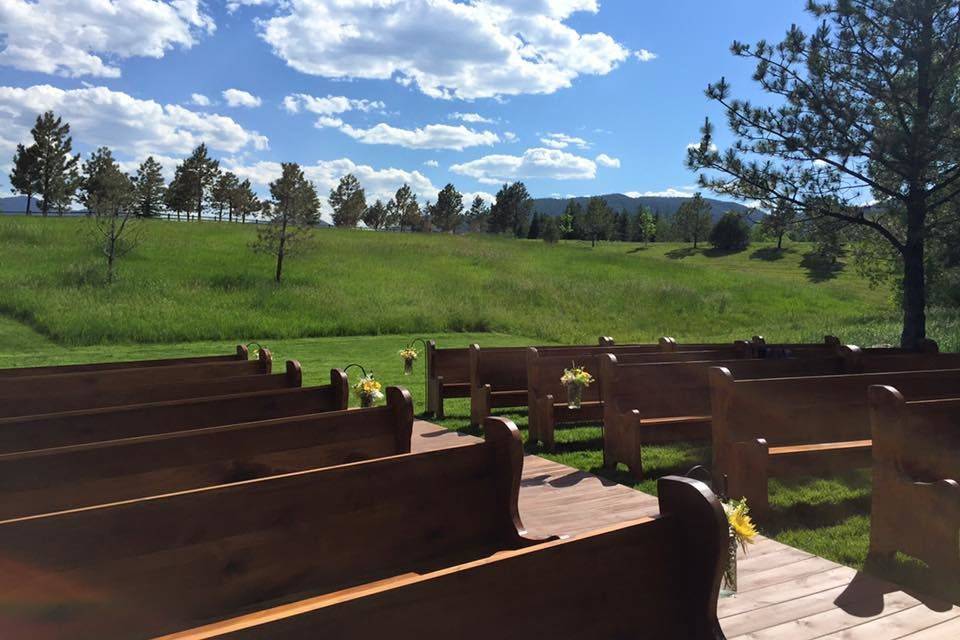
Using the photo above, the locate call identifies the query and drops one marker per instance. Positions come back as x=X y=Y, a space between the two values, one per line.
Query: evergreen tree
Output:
x=223 y=194
x=447 y=214
x=777 y=222
x=550 y=230
x=597 y=220
x=692 y=220
x=477 y=215
x=179 y=196
x=403 y=210
x=111 y=198
x=644 y=227
x=867 y=108
x=375 y=216
x=244 y=201
x=295 y=206
x=200 y=174
x=731 y=233
x=151 y=188
x=622 y=226
x=569 y=222
x=511 y=210
x=24 y=177
x=348 y=201
x=56 y=170
x=534 y=231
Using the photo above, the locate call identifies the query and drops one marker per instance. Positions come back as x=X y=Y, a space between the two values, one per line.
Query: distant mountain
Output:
x=17 y=205
x=665 y=206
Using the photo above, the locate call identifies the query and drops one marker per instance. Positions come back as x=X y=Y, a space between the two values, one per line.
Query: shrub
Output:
x=731 y=233
x=550 y=230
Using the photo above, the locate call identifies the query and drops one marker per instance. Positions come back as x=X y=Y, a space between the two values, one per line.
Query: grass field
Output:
x=359 y=297
x=193 y=282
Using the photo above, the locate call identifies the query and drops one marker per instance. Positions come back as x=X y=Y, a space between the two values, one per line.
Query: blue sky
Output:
x=339 y=86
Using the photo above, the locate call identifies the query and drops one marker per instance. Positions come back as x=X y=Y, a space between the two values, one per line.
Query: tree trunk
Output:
x=280 y=249
x=780 y=241
x=914 y=279
x=29 y=197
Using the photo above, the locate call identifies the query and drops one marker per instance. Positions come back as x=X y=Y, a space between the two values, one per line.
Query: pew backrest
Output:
x=50 y=480
x=18 y=372
x=51 y=399
x=23 y=433
x=656 y=577
x=155 y=565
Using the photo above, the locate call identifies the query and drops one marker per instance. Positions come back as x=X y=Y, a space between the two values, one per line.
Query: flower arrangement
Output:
x=408 y=355
x=576 y=379
x=742 y=533
x=368 y=390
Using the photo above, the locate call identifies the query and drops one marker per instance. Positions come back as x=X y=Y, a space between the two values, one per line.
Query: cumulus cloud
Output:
x=131 y=126
x=562 y=141
x=510 y=136
x=330 y=105
x=490 y=48
x=199 y=99
x=644 y=56
x=534 y=163
x=672 y=192
x=431 y=163
x=607 y=161
x=432 y=136
x=325 y=174
x=471 y=118
x=239 y=98
x=84 y=38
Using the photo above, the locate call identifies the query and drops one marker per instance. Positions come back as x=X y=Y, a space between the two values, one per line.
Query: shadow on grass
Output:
x=638 y=249
x=820 y=269
x=680 y=254
x=802 y=515
x=770 y=254
x=716 y=252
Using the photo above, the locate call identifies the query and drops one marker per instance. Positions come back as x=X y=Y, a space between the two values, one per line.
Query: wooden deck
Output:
x=784 y=592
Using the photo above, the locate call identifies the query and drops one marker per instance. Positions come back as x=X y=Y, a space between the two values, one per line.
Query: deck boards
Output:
x=784 y=592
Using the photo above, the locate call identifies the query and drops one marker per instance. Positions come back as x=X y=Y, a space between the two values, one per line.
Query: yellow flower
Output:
x=741 y=525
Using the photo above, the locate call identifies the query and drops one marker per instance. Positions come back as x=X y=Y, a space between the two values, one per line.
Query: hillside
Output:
x=202 y=282
x=663 y=206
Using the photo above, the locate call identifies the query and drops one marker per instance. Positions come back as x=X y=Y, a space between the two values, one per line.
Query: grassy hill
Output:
x=188 y=282
x=664 y=206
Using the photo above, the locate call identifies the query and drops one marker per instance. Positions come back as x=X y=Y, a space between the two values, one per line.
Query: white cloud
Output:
x=696 y=145
x=86 y=37
x=432 y=136
x=607 y=161
x=239 y=98
x=490 y=48
x=471 y=118
x=199 y=99
x=330 y=105
x=233 y=5
x=562 y=141
x=672 y=192
x=644 y=56
x=431 y=163
x=128 y=125
x=510 y=136
x=534 y=163
x=378 y=183
x=469 y=196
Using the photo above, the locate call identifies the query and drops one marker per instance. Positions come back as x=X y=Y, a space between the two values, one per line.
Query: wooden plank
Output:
x=944 y=631
x=903 y=624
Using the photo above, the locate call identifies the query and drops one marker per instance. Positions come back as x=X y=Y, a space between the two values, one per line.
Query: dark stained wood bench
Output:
x=654 y=578
x=48 y=397
x=448 y=373
x=23 y=433
x=800 y=426
x=49 y=480
x=18 y=372
x=669 y=402
x=546 y=397
x=916 y=478
x=161 y=564
x=763 y=349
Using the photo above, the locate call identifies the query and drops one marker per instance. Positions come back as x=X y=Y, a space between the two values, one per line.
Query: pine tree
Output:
x=295 y=206
x=403 y=210
x=348 y=201
x=477 y=215
x=778 y=221
x=598 y=220
x=56 y=170
x=511 y=210
x=151 y=188
x=111 y=198
x=223 y=194
x=25 y=174
x=179 y=196
x=568 y=223
x=864 y=107
x=375 y=217
x=534 y=231
x=199 y=175
x=692 y=220
x=447 y=214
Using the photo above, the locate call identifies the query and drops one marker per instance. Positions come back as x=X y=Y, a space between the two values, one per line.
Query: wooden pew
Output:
x=48 y=398
x=18 y=372
x=916 y=469
x=44 y=431
x=157 y=565
x=669 y=402
x=546 y=396
x=448 y=373
x=651 y=578
x=800 y=426
x=49 y=480
x=763 y=349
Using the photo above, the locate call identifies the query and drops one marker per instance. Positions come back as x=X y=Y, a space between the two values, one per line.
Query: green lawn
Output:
x=359 y=297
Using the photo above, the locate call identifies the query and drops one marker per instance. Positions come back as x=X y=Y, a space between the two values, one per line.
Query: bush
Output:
x=731 y=233
x=550 y=230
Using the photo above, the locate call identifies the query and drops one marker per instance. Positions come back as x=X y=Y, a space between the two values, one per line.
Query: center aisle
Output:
x=784 y=592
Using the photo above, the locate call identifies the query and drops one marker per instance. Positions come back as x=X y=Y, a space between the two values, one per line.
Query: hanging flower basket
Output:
x=409 y=356
x=368 y=391
x=575 y=379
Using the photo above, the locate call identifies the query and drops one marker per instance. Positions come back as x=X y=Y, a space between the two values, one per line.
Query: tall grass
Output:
x=190 y=282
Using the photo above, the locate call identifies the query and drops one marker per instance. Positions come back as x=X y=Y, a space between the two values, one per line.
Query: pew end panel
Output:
x=621 y=443
x=400 y=403
x=340 y=386
x=721 y=388
x=242 y=352
x=265 y=360
x=294 y=374
x=429 y=383
x=747 y=474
